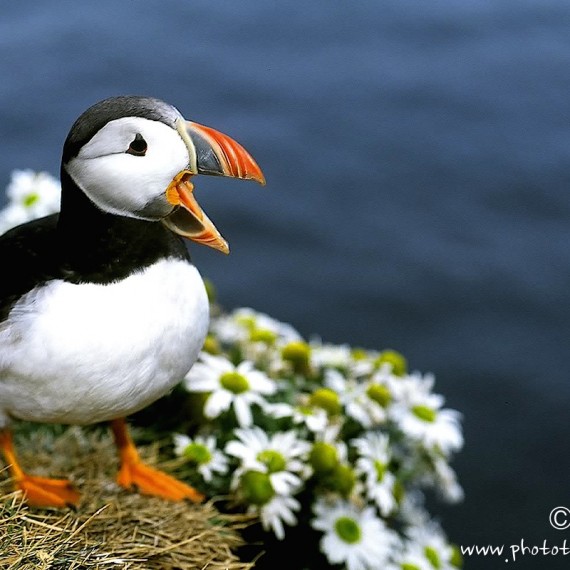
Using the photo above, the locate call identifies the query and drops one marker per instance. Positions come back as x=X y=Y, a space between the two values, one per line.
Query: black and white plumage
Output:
x=102 y=311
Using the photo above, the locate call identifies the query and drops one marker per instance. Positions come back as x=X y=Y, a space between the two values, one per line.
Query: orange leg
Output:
x=134 y=473
x=39 y=491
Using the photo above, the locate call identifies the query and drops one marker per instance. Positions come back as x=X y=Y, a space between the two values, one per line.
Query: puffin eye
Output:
x=138 y=146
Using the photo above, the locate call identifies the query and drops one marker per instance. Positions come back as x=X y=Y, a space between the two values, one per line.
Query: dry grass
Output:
x=112 y=529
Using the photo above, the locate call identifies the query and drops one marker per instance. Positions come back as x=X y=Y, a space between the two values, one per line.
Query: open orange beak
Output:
x=210 y=152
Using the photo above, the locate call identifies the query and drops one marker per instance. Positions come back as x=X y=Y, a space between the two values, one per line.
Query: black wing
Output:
x=28 y=257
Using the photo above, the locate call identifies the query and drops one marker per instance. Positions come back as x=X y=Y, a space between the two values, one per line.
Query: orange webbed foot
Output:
x=44 y=493
x=150 y=481
x=38 y=491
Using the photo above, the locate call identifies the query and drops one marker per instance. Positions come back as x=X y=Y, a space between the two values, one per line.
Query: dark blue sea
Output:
x=417 y=157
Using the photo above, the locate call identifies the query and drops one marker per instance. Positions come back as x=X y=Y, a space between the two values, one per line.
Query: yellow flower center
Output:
x=263 y=335
x=381 y=469
x=31 y=199
x=234 y=382
x=197 y=453
x=425 y=413
x=432 y=556
x=211 y=345
x=273 y=460
x=326 y=399
x=379 y=394
x=395 y=360
x=348 y=530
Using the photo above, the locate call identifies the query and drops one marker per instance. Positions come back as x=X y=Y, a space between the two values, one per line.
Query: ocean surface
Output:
x=417 y=157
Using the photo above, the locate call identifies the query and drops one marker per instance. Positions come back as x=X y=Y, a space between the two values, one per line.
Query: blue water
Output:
x=417 y=156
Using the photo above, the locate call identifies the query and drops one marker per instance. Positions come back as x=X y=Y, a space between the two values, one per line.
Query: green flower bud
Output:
x=273 y=460
x=298 y=354
x=379 y=394
x=256 y=487
x=348 y=530
x=263 y=335
x=323 y=457
x=197 y=453
x=456 y=557
x=211 y=345
x=395 y=359
x=234 y=382
x=424 y=413
x=326 y=399
x=342 y=479
x=407 y=566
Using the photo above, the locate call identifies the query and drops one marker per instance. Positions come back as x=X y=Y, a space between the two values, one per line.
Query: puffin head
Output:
x=135 y=157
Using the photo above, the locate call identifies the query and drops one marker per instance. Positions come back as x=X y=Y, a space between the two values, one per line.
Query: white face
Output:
x=123 y=183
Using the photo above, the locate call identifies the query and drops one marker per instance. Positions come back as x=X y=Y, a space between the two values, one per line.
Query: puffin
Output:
x=102 y=311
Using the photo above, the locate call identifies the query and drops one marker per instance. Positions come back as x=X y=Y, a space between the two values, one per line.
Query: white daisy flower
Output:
x=374 y=457
x=330 y=436
x=411 y=387
x=360 y=400
x=257 y=492
x=329 y=461
x=446 y=480
x=230 y=386
x=316 y=419
x=203 y=452
x=354 y=537
x=280 y=509
x=278 y=410
x=422 y=419
x=260 y=326
x=284 y=331
x=412 y=511
x=386 y=388
x=410 y=558
x=373 y=405
x=324 y=355
x=429 y=540
x=281 y=455
x=31 y=195
x=257 y=352
x=227 y=330
x=363 y=365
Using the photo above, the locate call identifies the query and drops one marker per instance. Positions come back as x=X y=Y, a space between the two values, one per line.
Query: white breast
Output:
x=88 y=353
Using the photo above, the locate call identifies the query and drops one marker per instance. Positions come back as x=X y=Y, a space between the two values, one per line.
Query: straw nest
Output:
x=112 y=528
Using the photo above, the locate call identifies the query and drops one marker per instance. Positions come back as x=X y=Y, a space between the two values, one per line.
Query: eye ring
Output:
x=138 y=146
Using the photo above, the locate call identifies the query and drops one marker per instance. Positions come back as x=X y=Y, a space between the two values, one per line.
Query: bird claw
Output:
x=43 y=492
x=150 y=481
